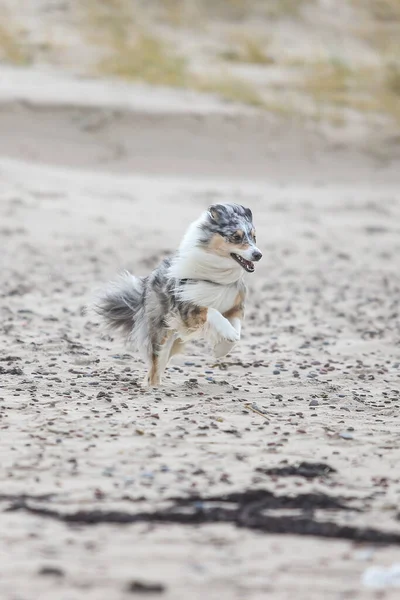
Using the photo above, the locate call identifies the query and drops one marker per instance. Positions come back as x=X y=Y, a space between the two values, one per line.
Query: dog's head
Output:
x=228 y=232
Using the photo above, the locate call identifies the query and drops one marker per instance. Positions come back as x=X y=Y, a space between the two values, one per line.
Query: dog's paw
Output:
x=227 y=332
x=148 y=382
x=145 y=383
x=219 y=328
x=233 y=335
x=223 y=348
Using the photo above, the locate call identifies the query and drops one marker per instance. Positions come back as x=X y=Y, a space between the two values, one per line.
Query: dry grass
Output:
x=241 y=9
x=383 y=38
x=366 y=90
x=390 y=94
x=12 y=49
x=175 y=13
x=130 y=51
x=328 y=81
x=192 y=13
x=392 y=80
x=382 y=10
x=382 y=34
x=281 y=9
x=147 y=58
x=247 y=49
x=203 y=10
x=230 y=89
x=108 y=22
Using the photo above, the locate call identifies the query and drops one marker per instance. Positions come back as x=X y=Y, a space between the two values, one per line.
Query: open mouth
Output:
x=246 y=264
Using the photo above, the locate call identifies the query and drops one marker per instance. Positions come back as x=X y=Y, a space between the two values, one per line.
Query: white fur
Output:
x=223 y=347
x=204 y=293
x=196 y=263
x=214 y=283
x=219 y=328
x=248 y=253
x=200 y=264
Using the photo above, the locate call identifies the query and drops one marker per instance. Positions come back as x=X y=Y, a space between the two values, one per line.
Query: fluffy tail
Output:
x=121 y=304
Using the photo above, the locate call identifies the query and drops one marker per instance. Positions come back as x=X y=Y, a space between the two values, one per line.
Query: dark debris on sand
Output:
x=11 y=371
x=307 y=470
x=251 y=509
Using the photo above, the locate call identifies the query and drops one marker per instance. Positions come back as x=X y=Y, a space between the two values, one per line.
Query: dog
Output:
x=198 y=292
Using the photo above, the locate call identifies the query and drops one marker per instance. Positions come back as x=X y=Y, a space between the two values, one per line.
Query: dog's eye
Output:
x=236 y=238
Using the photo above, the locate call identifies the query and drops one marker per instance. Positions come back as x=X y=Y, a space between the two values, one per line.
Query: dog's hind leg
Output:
x=160 y=355
x=153 y=378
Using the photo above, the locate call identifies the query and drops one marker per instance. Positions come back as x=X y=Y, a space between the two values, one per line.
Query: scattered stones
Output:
x=11 y=371
x=141 y=587
x=51 y=571
x=346 y=435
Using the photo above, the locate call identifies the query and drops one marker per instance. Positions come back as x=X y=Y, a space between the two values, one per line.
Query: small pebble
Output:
x=52 y=571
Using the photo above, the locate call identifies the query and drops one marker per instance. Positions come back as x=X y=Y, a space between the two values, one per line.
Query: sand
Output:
x=88 y=190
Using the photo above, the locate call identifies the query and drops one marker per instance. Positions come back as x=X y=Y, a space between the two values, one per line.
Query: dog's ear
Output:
x=248 y=214
x=215 y=211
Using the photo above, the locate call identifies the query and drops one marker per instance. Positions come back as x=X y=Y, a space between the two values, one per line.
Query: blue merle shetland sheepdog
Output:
x=198 y=292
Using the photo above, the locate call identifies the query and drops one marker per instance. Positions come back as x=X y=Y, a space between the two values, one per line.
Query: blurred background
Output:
x=327 y=67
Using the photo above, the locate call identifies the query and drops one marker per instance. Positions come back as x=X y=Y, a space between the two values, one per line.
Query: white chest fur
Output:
x=211 y=295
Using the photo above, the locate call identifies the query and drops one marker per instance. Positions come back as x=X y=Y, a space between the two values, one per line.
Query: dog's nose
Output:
x=257 y=255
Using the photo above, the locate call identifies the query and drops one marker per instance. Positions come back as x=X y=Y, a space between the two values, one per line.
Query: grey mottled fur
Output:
x=144 y=301
x=226 y=219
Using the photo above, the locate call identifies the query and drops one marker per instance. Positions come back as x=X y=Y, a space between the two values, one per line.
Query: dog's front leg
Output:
x=219 y=328
x=234 y=315
x=223 y=347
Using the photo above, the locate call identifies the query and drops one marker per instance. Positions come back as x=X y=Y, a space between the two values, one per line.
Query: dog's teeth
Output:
x=246 y=264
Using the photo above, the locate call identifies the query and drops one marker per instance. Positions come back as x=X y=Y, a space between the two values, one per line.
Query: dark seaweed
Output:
x=247 y=509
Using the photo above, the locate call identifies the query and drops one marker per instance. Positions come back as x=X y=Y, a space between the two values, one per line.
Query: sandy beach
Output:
x=272 y=473
x=315 y=378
